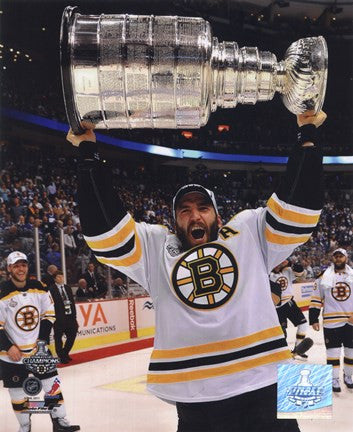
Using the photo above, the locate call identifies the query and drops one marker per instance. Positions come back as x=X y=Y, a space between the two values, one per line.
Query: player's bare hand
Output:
x=316 y=326
x=309 y=117
x=350 y=319
x=88 y=135
x=14 y=353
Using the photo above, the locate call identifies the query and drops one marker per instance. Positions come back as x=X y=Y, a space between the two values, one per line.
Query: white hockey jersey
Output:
x=285 y=278
x=333 y=293
x=217 y=331
x=21 y=311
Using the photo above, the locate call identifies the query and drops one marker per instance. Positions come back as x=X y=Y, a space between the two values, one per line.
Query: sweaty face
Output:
x=339 y=261
x=196 y=220
x=19 y=271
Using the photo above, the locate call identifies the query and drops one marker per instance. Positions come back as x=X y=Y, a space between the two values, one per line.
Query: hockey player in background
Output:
x=288 y=309
x=26 y=316
x=333 y=293
x=218 y=340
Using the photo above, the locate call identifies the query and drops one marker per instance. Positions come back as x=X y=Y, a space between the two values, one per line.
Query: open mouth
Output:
x=197 y=233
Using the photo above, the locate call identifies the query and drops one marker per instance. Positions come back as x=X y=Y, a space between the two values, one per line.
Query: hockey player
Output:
x=218 y=340
x=288 y=309
x=26 y=316
x=333 y=293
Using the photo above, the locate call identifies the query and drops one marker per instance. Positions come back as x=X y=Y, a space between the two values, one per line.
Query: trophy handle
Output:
x=65 y=62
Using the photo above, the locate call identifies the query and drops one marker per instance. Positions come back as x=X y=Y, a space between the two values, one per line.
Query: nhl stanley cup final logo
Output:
x=304 y=391
x=304 y=394
x=140 y=71
x=42 y=361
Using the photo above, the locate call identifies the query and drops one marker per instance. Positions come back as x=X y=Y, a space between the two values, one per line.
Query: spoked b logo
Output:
x=205 y=277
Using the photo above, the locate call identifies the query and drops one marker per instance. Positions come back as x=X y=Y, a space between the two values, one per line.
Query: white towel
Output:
x=329 y=277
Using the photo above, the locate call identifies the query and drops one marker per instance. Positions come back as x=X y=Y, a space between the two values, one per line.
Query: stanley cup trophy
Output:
x=138 y=71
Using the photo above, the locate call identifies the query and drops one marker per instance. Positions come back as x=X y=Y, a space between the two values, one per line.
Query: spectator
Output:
x=69 y=241
x=48 y=278
x=79 y=240
x=16 y=210
x=119 y=289
x=53 y=256
x=94 y=281
x=83 y=292
x=308 y=269
x=65 y=314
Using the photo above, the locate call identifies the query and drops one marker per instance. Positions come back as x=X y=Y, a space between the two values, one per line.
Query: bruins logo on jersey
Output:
x=341 y=291
x=206 y=276
x=283 y=281
x=27 y=318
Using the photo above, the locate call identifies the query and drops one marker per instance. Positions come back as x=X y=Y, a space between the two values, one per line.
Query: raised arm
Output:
x=293 y=211
x=109 y=230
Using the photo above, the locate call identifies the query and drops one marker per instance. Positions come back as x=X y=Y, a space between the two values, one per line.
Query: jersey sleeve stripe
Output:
x=48 y=313
x=24 y=347
x=292 y=213
x=112 y=246
x=114 y=237
x=283 y=239
x=287 y=222
x=126 y=260
x=316 y=303
x=290 y=229
x=119 y=251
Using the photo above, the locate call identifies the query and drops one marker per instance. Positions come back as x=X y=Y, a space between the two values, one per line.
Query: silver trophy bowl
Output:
x=140 y=71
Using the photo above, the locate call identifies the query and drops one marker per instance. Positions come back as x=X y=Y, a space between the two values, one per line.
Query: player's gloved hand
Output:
x=316 y=326
x=308 y=117
x=14 y=353
x=88 y=135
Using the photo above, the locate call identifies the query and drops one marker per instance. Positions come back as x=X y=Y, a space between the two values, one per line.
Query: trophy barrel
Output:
x=136 y=71
x=140 y=71
x=65 y=62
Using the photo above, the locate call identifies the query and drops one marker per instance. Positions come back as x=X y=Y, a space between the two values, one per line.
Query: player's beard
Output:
x=340 y=266
x=17 y=280
x=181 y=233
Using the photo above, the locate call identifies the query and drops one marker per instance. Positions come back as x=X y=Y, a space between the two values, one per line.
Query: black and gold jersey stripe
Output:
x=316 y=302
x=218 y=358
x=287 y=224
x=120 y=246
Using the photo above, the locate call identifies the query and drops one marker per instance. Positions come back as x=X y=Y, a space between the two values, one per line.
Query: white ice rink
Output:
x=109 y=395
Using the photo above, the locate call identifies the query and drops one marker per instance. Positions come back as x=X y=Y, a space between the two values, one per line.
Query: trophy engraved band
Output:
x=138 y=71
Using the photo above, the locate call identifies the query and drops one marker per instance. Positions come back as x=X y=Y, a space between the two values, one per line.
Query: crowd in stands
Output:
x=41 y=191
